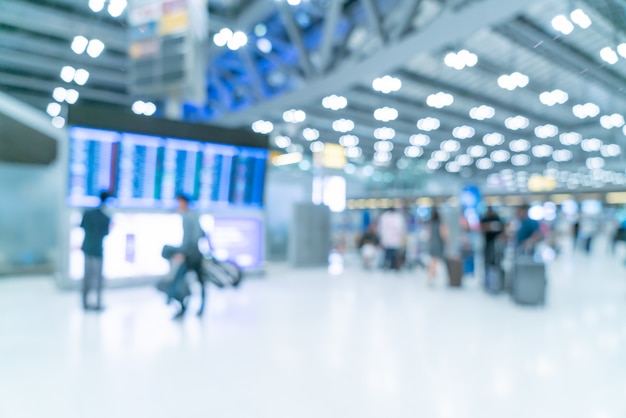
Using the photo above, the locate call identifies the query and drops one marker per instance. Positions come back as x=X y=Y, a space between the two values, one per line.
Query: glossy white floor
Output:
x=307 y=344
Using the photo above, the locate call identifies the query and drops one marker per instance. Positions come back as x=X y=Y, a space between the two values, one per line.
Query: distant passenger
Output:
x=392 y=229
x=96 y=225
x=192 y=233
x=437 y=244
x=492 y=226
x=528 y=233
x=368 y=246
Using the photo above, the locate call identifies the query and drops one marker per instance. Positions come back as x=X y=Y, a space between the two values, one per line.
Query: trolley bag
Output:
x=494 y=279
x=455 y=271
x=529 y=281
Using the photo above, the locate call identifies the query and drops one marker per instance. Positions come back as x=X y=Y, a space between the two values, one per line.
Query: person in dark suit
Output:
x=96 y=225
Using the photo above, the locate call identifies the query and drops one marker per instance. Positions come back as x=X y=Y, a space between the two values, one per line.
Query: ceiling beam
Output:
x=295 y=35
x=356 y=71
x=333 y=14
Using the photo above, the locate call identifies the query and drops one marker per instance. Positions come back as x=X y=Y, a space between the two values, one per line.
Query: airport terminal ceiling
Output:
x=477 y=89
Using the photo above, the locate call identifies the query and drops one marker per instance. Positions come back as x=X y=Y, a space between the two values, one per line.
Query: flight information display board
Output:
x=141 y=171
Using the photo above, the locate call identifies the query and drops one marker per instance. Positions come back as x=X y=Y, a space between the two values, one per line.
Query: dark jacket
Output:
x=96 y=225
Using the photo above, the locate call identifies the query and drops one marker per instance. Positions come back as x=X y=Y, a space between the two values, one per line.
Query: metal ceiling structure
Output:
x=299 y=52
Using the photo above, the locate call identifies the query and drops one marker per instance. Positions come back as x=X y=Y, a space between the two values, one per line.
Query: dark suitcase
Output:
x=455 y=271
x=529 y=281
x=494 y=279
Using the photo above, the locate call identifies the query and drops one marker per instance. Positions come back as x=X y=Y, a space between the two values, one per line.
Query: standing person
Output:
x=438 y=236
x=492 y=226
x=368 y=245
x=192 y=233
x=96 y=224
x=528 y=233
x=392 y=229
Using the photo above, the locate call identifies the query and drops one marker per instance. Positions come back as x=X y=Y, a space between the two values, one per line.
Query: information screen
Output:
x=142 y=171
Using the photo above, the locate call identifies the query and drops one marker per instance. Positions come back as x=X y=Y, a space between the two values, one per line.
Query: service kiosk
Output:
x=144 y=163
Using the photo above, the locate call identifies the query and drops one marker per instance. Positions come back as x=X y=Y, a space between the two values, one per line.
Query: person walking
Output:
x=492 y=226
x=96 y=225
x=189 y=250
x=438 y=236
x=392 y=229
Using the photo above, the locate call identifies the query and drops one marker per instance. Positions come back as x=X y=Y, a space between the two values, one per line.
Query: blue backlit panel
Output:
x=142 y=171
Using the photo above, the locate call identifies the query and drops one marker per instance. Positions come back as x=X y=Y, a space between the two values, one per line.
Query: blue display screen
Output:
x=142 y=171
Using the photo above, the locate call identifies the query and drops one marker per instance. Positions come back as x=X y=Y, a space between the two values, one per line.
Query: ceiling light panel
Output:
x=386 y=114
x=428 y=124
x=460 y=60
x=387 y=84
x=482 y=112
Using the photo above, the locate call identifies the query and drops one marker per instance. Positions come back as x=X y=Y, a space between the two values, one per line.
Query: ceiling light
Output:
x=587 y=110
x=262 y=127
x=453 y=167
x=384 y=133
x=500 y=156
x=383 y=146
x=621 y=49
x=81 y=76
x=95 y=48
x=433 y=165
x=67 y=73
x=260 y=30
x=294 y=116
x=493 y=139
x=382 y=157
x=591 y=145
x=349 y=140
x=440 y=100
x=317 y=146
x=610 y=150
x=464 y=132
x=58 y=122
x=239 y=40
x=562 y=24
x=428 y=124
x=117 y=7
x=310 y=134
x=581 y=18
x=353 y=152
x=222 y=37
x=413 y=151
x=562 y=155
x=520 y=160
x=484 y=164
x=334 y=102
x=343 y=125
x=608 y=55
x=612 y=121
x=595 y=163
x=554 y=97
x=513 y=81
x=570 y=138
x=282 y=141
x=149 y=109
x=519 y=145
x=53 y=109
x=464 y=160
x=546 y=131
x=451 y=145
x=477 y=151
x=79 y=44
x=59 y=94
x=294 y=2
x=264 y=45
x=460 y=60
x=440 y=156
x=482 y=112
x=516 y=123
x=542 y=151
x=419 y=140
x=387 y=84
x=72 y=96
x=386 y=114
x=138 y=107
x=96 y=5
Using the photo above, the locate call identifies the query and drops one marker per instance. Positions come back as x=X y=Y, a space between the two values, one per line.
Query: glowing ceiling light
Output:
x=382 y=157
x=67 y=73
x=264 y=45
x=386 y=114
x=334 y=102
x=482 y=112
x=477 y=151
x=612 y=121
x=349 y=140
x=343 y=125
x=591 y=145
x=460 y=60
x=149 y=109
x=353 y=152
x=413 y=151
x=58 y=122
x=282 y=141
x=317 y=146
x=520 y=160
x=262 y=127
x=513 y=81
x=222 y=37
x=484 y=164
x=81 y=76
x=519 y=145
x=546 y=131
x=610 y=150
x=95 y=48
x=428 y=124
x=311 y=134
x=117 y=7
x=451 y=145
x=581 y=18
x=294 y=116
x=500 y=156
x=383 y=146
x=609 y=55
x=53 y=109
x=419 y=140
x=562 y=24
x=441 y=156
x=464 y=132
x=440 y=100
x=387 y=84
x=79 y=44
x=453 y=167
x=239 y=40
x=562 y=155
x=516 y=123
x=59 y=94
x=72 y=96
x=570 y=138
x=493 y=139
x=595 y=163
x=384 y=133
x=542 y=151
x=96 y=5
x=551 y=98
x=464 y=160
x=587 y=110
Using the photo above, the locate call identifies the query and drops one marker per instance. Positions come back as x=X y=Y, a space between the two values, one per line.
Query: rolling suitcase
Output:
x=455 y=271
x=529 y=281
